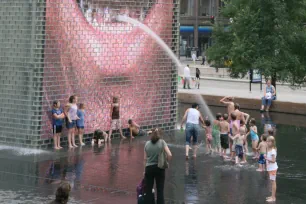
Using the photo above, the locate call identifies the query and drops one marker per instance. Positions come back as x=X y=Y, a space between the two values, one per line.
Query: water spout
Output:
x=146 y=29
x=153 y=35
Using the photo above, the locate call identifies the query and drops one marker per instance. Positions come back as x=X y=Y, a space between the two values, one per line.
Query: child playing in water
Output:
x=224 y=129
x=116 y=123
x=208 y=132
x=272 y=166
x=57 y=124
x=245 y=143
x=234 y=131
x=254 y=137
x=216 y=134
x=80 y=122
x=99 y=137
x=262 y=148
x=239 y=140
x=134 y=129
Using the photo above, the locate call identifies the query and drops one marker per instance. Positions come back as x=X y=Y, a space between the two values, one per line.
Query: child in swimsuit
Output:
x=216 y=134
x=254 y=137
x=234 y=131
x=224 y=130
x=239 y=140
x=245 y=143
x=262 y=148
x=272 y=166
x=208 y=133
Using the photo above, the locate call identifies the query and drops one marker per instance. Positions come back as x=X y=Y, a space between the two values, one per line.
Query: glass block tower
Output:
x=51 y=49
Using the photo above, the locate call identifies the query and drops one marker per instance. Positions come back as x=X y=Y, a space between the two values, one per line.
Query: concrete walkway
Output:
x=237 y=89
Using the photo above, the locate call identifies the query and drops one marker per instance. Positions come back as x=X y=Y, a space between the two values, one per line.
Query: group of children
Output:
x=74 y=117
x=223 y=134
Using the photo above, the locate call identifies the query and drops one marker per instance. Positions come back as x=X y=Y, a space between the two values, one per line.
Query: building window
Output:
x=207 y=7
x=187 y=7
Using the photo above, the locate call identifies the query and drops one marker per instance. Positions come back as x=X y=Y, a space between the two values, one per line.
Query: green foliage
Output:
x=269 y=35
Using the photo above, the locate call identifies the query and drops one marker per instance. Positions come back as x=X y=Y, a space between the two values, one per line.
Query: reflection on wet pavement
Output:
x=110 y=173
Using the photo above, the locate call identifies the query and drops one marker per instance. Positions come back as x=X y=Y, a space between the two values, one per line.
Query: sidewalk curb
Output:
x=234 y=80
x=245 y=103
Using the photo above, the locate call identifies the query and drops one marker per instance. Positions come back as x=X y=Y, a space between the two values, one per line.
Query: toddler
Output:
x=254 y=137
x=216 y=133
x=262 y=148
x=208 y=132
x=238 y=141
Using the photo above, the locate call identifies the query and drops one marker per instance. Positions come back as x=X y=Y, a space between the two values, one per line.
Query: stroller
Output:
x=141 y=193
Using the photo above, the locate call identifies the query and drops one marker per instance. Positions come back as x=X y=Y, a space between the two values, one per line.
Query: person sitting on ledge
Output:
x=269 y=96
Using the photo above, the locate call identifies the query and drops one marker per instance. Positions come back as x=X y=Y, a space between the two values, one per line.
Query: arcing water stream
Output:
x=146 y=29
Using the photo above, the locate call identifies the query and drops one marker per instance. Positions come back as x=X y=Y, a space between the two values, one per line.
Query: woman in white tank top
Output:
x=71 y=114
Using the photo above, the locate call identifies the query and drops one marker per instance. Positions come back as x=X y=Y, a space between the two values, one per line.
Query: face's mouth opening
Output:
x=99 y=13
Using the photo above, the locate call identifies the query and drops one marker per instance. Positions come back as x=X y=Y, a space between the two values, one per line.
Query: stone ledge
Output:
x=247 y=103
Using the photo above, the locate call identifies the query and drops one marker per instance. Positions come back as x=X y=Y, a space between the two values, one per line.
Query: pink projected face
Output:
x=89 y=54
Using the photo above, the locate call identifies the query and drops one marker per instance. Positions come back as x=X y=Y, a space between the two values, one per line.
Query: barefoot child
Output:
x=99 y=137
x=224 y=129
x=134 y=129
x=272 y=166
x=57 y=124
x=245 y=143
x=208 y=133
x=234 y=131
x=115 y=115
x=216 y=134
x=80 y=123
x=254 y=137
x=70 y=111
x=239 y=140
x=262 y=148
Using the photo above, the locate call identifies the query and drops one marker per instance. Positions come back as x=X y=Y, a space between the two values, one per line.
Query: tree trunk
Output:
x=273 y=80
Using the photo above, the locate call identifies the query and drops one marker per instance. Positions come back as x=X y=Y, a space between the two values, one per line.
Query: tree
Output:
x=268 y=35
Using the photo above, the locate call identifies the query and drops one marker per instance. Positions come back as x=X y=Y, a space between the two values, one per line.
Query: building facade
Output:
x=196 y=21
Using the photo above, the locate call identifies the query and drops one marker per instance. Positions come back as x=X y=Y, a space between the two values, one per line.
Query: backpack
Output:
x=141 y=193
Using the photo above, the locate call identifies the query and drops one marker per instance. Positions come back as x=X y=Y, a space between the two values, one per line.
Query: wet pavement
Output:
x=110 y=173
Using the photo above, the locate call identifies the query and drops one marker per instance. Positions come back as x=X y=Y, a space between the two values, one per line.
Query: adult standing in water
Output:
x=229 y=102
x=269 y=96
x=192 y=117
x=71 y=114
x=152 y=172
x=241 y=116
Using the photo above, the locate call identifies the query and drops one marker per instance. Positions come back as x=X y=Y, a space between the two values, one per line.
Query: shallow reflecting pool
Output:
x=110 y=173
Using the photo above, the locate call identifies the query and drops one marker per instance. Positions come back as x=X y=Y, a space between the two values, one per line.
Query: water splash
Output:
x=205 y=107
x=20 y=151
